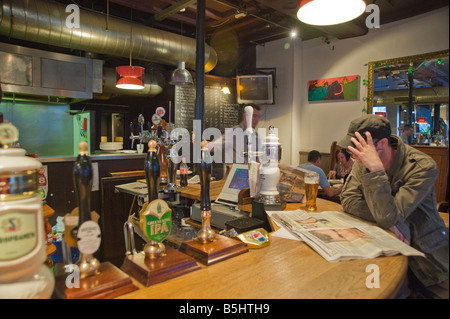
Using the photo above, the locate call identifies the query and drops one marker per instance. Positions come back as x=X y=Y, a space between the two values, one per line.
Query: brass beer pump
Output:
x=209 y=247
x=152 y=249
x=97 y=280
x=205 y=234
x=156 y=263
x=82 y=173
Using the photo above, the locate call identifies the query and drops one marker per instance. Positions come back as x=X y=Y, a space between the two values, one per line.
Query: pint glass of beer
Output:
x=311 y=189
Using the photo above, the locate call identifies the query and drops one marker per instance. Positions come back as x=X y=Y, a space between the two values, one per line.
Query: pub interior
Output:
x=102 y=205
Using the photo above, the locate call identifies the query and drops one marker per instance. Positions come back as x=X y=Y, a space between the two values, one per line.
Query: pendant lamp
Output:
x=329 y=12
x=181 y=76
x=130 y=77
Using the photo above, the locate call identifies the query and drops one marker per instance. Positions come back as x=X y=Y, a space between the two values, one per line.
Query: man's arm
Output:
x=331 y=192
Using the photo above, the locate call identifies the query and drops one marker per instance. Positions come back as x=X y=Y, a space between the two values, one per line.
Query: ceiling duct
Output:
x=45 y=22
x=420 y=96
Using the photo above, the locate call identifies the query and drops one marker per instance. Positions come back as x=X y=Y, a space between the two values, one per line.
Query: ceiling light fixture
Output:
x=130 y=77
x=293 y=33
x=240 y=14
x=181 y=76
x=329 y=12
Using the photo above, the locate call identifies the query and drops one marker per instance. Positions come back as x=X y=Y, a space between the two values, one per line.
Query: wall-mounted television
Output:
x=256 y=89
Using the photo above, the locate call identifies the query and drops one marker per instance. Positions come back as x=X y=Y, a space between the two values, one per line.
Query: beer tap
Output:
x=252 y=153
x=143 y=136
x=161 y=140
x=152 y=249
x=171 y=163
x=152 y=171
x=205 y=234
x=87 y=232
x=250 y=132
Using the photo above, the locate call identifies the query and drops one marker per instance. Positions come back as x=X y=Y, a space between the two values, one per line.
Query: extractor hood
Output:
x=30 y=75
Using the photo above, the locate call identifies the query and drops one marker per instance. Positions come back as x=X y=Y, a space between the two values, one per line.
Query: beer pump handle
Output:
x=159 y=131
x=152 y=170
x=205 y=177
x=249 y=118
x=82 y=175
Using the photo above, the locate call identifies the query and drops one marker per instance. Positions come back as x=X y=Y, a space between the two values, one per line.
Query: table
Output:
x=285 y=269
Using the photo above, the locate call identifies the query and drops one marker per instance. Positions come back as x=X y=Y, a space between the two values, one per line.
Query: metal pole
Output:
x=200 y=63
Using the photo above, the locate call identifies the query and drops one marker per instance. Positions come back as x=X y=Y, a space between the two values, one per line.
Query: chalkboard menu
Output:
x=220 y=111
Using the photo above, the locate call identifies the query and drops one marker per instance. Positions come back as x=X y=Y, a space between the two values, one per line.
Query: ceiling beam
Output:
x=167 y=12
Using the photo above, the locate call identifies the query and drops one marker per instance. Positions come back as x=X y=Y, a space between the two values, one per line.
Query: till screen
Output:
x=240 y=179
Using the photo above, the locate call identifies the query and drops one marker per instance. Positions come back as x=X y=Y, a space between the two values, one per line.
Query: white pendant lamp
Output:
x=329 y=12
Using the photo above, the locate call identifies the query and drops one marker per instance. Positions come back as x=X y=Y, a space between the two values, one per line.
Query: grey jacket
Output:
x=404 y=196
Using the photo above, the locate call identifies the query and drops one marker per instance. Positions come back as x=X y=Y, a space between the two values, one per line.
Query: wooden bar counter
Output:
x=285 y=269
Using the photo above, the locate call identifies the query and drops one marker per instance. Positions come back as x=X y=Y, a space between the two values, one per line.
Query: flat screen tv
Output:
x=254 y=89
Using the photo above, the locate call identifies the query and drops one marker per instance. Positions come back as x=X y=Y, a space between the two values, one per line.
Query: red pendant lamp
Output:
x=130 y=77
x=329 y=12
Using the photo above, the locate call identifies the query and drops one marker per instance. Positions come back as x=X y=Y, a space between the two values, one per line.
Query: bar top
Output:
x=284 y=269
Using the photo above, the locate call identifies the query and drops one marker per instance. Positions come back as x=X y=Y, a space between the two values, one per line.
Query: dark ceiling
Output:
x=249 y=21
x=234 y=27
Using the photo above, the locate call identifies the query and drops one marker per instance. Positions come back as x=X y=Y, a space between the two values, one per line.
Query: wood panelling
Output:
x=440 y=156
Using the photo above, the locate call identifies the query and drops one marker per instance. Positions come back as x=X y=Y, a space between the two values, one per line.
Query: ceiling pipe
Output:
x=45 y=22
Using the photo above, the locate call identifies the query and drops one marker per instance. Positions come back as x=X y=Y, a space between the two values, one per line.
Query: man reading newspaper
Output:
x=393 y=184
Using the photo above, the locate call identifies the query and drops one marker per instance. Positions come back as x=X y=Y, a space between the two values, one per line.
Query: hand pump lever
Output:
x=82 y=173
x=205 y=234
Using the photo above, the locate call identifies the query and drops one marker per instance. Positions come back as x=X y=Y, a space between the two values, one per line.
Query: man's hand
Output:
x=366 y=153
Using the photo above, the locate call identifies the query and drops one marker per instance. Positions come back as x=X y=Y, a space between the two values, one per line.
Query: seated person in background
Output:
x=406 y=134
x=313 y=164
x=392 y=184
x=344 y=164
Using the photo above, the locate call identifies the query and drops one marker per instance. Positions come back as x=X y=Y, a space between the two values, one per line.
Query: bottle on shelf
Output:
x=183 y=173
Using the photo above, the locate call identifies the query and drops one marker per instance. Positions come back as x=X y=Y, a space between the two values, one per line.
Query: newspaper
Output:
x=291 y=185
x=337 y=237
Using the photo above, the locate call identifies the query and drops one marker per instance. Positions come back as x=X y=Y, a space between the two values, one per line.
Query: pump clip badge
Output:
x=158 y=220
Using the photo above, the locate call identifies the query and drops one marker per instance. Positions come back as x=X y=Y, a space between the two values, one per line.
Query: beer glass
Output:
x=311 y=189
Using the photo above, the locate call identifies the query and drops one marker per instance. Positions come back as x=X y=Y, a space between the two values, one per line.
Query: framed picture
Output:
x=344 y=88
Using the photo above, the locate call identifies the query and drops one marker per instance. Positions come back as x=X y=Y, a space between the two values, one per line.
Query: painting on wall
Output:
x=344 y=88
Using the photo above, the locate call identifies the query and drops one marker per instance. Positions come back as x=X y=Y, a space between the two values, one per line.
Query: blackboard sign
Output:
x=220 y=111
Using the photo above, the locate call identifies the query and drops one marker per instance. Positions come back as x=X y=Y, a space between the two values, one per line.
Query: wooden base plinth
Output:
x=220 y=249
x=152 y=271
x=109 y=283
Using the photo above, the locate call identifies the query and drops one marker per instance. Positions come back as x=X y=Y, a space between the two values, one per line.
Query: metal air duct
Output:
x=45 y=22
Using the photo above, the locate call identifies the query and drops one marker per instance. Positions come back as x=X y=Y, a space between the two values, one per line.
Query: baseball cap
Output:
x=378 y=126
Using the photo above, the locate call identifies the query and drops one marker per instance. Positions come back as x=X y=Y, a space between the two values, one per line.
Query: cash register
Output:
x=224 y=208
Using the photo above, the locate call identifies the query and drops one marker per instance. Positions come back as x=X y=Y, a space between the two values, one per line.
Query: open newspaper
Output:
x=336 y=236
